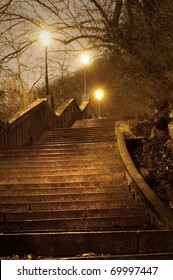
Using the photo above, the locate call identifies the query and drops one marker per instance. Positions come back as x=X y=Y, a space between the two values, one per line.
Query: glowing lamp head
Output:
x=85 y=58
x=99 y=94
x=45 y=37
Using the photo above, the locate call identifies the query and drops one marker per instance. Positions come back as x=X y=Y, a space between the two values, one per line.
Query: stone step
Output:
x=74 y=127
x=82 y=184
x=117 y=190
x=61 y=175
x=64 y=197
x=102 y=136
x=96 y=123
x=10 y=173
x=122 y=242
x=87 y=156
x=81 y=133
x=84 y=204
x=74 y=224
x=66 y=205
x=79 y=213
x=147 y=256
x=46 y=152
x=62 y=166
x=59 y=149
x=74 y=141
x=85 y=140
x=41 y=178
x=59 y=158
x=50 y=148
x=54 y=161
x=41 y=143
x=57 y=166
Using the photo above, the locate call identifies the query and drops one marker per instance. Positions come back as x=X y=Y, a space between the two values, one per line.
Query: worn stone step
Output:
x=46 y=173
x=43 y=154
x=74 y=224
x=55 y=162
x=102 y=146
x=77 y=130
x=47 y=153
x=17 y=207
x=83 y=133
x=56 y=152
x=42 y=144
x=63 y=169
x=79 y=213
x=148 y=256
x=66 y=205
x=82 y=204
x=88 y=158
x=83 y=184
x=82 y=136
x=63 y=165
x=58 y=158
x=73 y=141
x=54 y=167
x=60 y=175
x=122 y=242
x=41 y=178
x=61 y=150
x=73 y=197
x=95 y=122
x=85 y=140
x=61 y=190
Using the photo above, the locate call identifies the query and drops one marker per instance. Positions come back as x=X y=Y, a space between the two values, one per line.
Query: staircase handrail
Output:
x=27 y=125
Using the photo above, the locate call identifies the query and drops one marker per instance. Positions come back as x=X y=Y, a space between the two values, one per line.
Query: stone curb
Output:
x=163 y=214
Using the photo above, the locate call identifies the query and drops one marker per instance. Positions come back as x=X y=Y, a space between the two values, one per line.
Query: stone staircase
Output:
x=66 y=195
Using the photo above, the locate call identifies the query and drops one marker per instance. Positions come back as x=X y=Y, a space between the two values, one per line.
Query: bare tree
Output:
x=138 y=28
x=113 y=24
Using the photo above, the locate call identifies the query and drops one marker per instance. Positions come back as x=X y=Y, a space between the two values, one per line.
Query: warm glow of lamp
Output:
x=99 y=94
x=85 y=58
x=45 y=37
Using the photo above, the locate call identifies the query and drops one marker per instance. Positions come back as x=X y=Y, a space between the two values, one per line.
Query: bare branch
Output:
x=100 y=9
x=5 y=6
x=117 y=13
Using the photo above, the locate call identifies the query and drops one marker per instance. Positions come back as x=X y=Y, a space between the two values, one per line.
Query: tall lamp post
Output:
x=99 y=95
x=85 y=60
x=45 y=36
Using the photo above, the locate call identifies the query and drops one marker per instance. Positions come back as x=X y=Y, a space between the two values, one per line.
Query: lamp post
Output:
x=99 y=95
x=45 y=36
x=85 y=59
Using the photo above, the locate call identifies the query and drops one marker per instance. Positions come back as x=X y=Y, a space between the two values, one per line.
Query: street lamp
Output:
x=45 y=36
x=99 y=95
x=85 y=60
